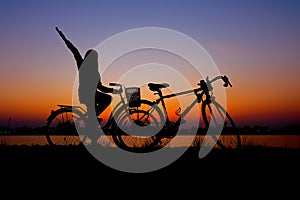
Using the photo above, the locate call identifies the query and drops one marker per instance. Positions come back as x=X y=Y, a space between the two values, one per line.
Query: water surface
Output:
x=288 y=141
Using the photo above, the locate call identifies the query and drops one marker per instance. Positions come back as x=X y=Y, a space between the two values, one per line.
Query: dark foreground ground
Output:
x=252 y=171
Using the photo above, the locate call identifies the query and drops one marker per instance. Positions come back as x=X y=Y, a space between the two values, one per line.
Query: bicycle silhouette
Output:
x=66 y=125
x=140 y=125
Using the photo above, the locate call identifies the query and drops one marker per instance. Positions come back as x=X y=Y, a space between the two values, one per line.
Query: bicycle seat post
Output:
x=161 y=98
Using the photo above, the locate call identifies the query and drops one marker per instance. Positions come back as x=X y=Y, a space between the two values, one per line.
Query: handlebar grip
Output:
x=112 y=84
x=115 y=84
x=226 y=81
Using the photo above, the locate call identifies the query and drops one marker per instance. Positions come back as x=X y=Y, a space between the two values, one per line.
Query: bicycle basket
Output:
x=133 y=96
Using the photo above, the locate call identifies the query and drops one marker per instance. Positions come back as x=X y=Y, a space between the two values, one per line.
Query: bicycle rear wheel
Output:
x=65 y=127
x=137 y=128
x=216 y=117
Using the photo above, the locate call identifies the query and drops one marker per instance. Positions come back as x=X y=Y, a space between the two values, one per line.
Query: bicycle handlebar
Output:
x=224 y=78
x=226 y=81
x=115 y=84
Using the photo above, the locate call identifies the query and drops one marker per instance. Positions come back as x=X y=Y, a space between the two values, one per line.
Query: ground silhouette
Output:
x=70 y=168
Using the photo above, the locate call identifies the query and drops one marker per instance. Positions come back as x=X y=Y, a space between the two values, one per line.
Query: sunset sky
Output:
x=255 y=43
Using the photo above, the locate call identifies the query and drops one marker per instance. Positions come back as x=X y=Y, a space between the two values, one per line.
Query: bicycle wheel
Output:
x=65 y=126
x=215 y=116
x=136 y=129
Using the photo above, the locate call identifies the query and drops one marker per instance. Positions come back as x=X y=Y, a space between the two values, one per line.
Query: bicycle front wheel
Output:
x=65 y=127
x=216 y=117
x=136 y=128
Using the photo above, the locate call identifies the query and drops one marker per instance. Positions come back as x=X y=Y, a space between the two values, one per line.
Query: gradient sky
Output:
x=255 y=43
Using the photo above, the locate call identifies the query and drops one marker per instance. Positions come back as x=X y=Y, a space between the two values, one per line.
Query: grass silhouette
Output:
x=77 y=155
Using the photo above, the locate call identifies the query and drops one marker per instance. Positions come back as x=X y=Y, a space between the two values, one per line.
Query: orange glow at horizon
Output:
x=254 y=98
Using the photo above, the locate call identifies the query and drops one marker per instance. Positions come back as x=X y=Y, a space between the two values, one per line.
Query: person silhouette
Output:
x=89 y=77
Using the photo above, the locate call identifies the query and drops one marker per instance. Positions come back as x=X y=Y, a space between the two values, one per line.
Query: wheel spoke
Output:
x=136 y=129
x=215 y=116
x=65 y=127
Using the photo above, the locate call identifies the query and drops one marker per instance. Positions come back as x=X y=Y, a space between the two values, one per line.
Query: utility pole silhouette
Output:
x=9 y=119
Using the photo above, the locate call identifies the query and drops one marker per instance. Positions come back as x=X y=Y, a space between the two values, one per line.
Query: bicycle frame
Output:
x=187 y=109
x=205 y=88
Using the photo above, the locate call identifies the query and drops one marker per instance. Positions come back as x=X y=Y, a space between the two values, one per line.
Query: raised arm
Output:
x=73 y=49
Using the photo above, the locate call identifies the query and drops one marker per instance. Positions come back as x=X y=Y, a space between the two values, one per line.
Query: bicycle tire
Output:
x=64 y=127
x=215 y=116
x=136 y=130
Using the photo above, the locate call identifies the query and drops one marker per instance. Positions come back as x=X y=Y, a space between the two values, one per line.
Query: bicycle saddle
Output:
x=157 y=87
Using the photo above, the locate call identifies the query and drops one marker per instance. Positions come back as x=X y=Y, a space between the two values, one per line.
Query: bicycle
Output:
x=214 y=115
x=66 y=125
x=140 y=125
